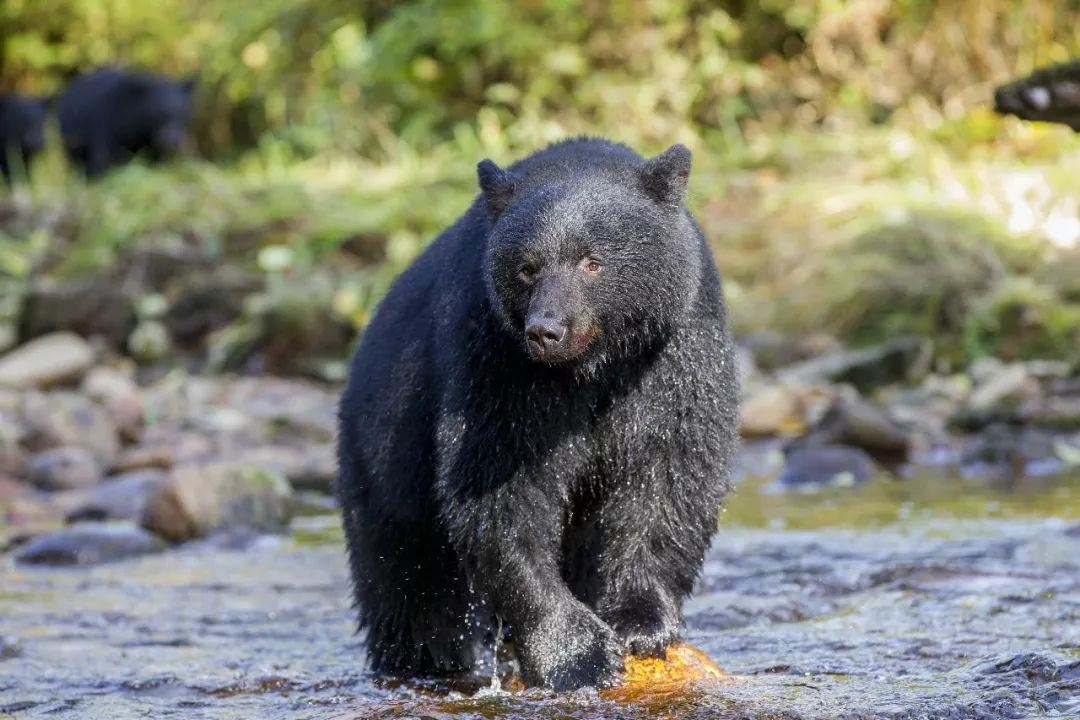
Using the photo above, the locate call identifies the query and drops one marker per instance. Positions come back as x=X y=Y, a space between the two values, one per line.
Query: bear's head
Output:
x=583 y=266
x=22 y=123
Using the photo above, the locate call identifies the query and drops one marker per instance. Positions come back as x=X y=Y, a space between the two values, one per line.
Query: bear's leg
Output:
x=420 y=617
x=654 y=534
x=512 y=537
x=96 y=159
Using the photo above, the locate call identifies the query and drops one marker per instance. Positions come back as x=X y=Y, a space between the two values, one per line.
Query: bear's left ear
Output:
x=496 y=185
x=665 y=176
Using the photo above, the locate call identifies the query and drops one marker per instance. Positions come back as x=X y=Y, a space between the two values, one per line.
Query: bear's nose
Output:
x=545 y=333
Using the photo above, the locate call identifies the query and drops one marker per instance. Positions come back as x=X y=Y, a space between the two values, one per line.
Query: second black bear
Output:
x=22 y=131
x=539 y=424
x=110 y=115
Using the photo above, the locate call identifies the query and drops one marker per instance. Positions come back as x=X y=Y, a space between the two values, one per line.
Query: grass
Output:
x=781 y=209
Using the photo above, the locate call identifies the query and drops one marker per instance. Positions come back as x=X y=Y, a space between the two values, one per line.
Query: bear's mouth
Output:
x=571 y=348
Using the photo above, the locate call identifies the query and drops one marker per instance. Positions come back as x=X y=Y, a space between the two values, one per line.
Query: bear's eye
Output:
x=591 y=266
x=527 y=273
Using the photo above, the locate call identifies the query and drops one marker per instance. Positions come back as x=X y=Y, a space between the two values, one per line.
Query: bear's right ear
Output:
x=665 y=176
x=496 y=185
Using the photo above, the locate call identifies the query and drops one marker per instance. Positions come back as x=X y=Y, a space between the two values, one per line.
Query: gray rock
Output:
x=311 y=467
x=12 y=457
x=59 y=418
x=89 y=544
x=197 y=500
x=768 y=411
x=903 y=359
x=63 y=468
x=781 y=410
x=49 y=360
x=94 y=307
x=121 y=497
x=120 y=397
x=1010 y=385
x=850 y=420
x=149 y=341
x=813 y=468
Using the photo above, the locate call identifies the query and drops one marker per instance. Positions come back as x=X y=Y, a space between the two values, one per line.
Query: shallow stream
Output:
x=899 y=599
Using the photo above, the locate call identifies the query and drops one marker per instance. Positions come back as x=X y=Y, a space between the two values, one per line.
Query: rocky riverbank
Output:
x=102 y=459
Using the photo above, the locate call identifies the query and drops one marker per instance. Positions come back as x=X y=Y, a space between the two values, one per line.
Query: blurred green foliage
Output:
x=366 y=76
x=847 y=168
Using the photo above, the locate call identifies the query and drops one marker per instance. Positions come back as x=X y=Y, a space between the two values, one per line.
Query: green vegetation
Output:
x=847 y=168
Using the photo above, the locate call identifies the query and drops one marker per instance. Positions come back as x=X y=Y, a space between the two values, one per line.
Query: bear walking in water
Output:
x=539 y=424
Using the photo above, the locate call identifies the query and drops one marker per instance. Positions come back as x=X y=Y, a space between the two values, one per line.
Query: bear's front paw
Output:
x=646 y=628
x=574 y=651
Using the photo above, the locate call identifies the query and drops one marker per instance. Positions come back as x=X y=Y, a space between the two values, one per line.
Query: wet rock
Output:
x=296 y=408
x=811 y=468
x=87 y=307
x=143 y=457
x=1002 y=389
x=121 y=497
x=89 y=544
x=927 y=409
x=780 y=410
x=64 y=468
x=197 y=500
x=850 y=420
x=49 y=360
x=120 y=397
x=149 y=342
x=1060 y=413
x=772 y=350
x=59 y=418
x=311 y=467
x=310 y=502
x=12 y=457
x=9 y=648
x=291 y=329
x=1005 y=451
x=157 y=267
x=901 y=360
x=207 y=303
x=746 y=368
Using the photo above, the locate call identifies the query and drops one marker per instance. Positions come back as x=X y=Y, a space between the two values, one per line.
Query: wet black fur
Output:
x=575 y=500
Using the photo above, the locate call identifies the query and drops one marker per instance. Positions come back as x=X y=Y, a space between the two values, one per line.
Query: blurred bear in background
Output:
x=1050 y=94
x=22 y=132
x=109 y=115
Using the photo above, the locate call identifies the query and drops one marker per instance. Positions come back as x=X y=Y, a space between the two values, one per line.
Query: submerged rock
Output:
x=197 y=500
x=88 y=544
x=811 y=468
x=680 y=672
x=49 y=360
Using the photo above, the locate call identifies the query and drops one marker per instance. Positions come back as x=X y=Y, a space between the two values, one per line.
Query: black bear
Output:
x=539 y=423
x=109 y=115
x=22 y=131
x=1050 y=94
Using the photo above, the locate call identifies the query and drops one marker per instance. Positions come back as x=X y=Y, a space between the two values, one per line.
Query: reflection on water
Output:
x=899 y=599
